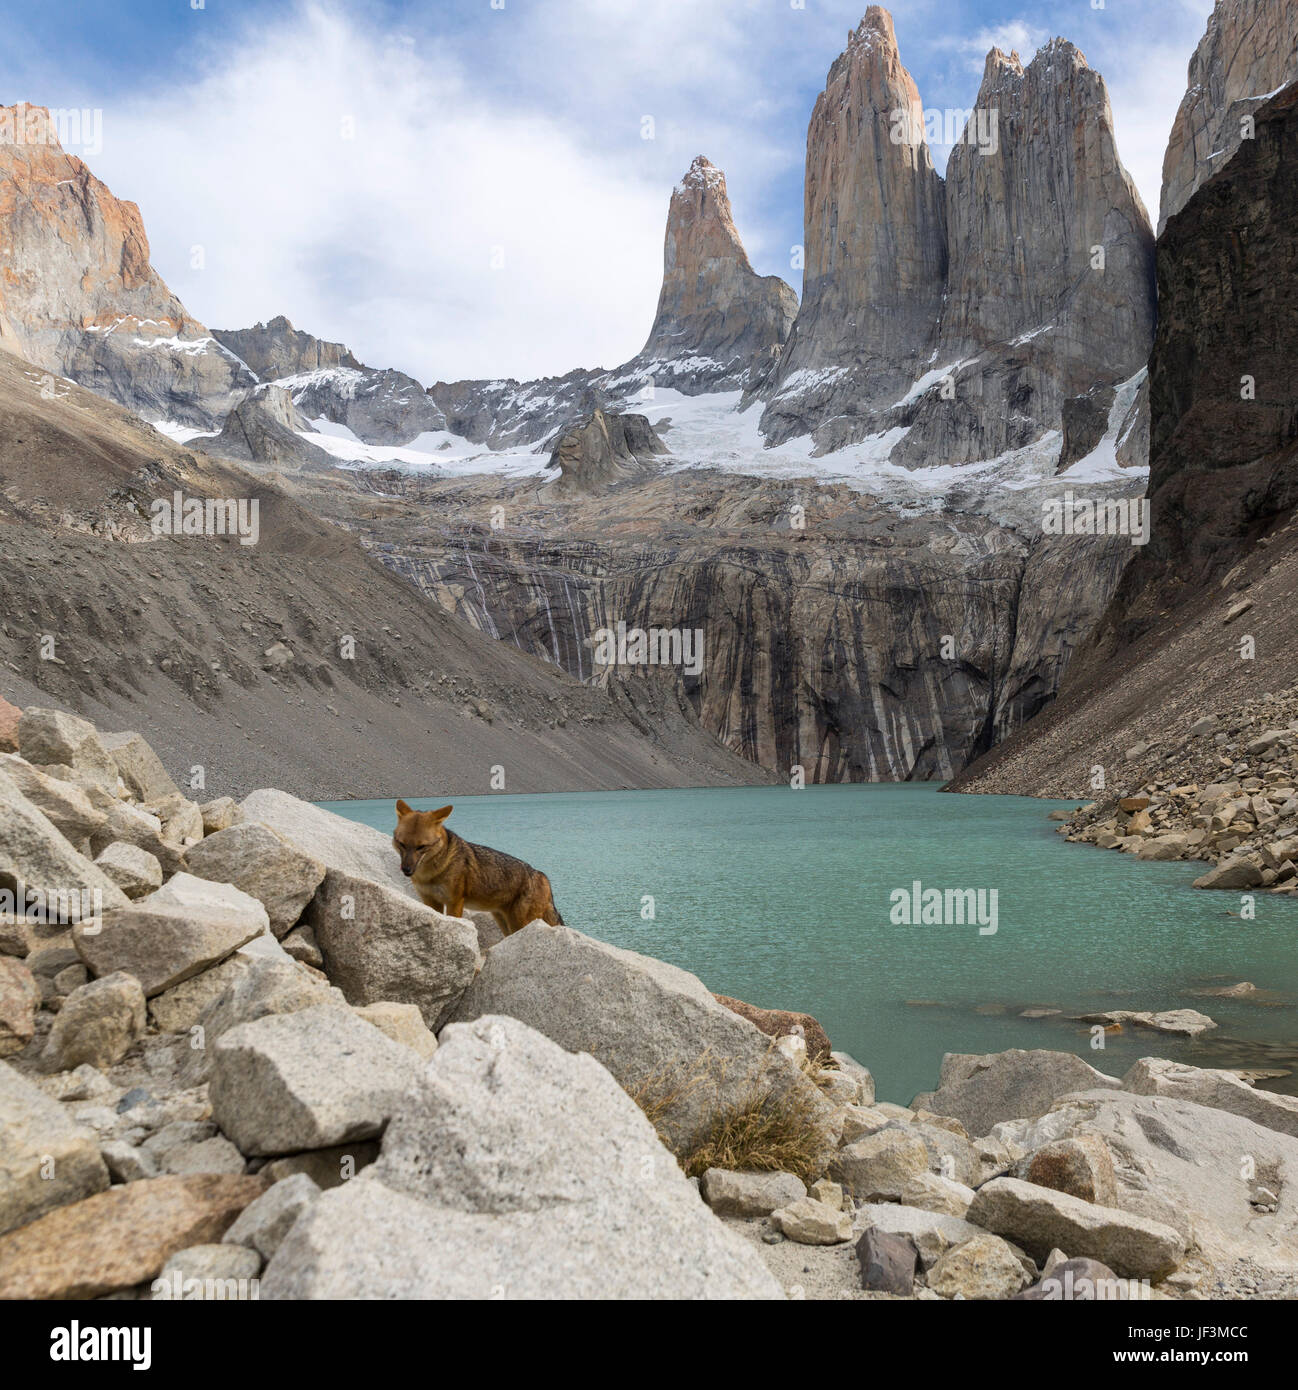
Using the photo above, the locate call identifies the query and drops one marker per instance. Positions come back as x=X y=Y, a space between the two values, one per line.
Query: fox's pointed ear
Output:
x=402 y=809
x=440 y=815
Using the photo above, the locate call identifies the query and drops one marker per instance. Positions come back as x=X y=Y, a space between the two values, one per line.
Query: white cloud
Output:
x=447 y=237
x=1014 y=36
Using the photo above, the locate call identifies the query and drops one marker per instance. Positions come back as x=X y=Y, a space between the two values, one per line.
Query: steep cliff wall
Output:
x=875 y=243
x=1202 y=621
x=79 y=297
x=1248 y=52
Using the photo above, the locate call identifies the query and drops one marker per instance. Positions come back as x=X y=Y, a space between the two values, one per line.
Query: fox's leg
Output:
x=455 y=906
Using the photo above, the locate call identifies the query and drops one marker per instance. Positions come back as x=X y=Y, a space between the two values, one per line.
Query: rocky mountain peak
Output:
x=277 y=349
x=718 y=321
x=80 y=297
x=998 y=62
x=1248 y=52
x=875 y=242
x=1051 y=285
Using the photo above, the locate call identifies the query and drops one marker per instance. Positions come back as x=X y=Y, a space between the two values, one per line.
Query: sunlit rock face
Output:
x=1248 y=52
x=718 y=323
x=875 y=243
x=78 y=296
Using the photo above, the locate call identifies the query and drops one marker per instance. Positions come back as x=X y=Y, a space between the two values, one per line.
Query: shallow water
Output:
x=782 y=898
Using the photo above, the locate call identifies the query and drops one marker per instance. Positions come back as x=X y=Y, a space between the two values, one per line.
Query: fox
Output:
x=450 y=874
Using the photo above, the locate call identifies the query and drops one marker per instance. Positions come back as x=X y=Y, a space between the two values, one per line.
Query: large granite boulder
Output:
x=118 y=1239
x=181 y=930
x=1221 y=1090
x=531 y=1175
x=690 y=1061
x=35 y=856
x=1194 y=1168
x=50 y=736
x=310 y=1079
x=379 y=944
x=1041 y=1219
x=981 y=1091
x=46 y=1159
x=263 y=864
x=139 y=767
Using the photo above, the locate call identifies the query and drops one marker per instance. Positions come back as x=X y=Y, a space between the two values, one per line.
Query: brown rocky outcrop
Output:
x=265 y=427
x=718 y=321
x=78 y=295
x=1248 y=52
x=779 y=1023
x=603 y=450
x=277 y=349
x=875 y=243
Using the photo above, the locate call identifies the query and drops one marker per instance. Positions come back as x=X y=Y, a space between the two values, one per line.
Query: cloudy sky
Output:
x=478 y=187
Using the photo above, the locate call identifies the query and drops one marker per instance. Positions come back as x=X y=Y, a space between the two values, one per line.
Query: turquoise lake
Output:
x=783 y=898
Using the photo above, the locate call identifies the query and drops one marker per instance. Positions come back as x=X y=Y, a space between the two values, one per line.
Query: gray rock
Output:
x=341 y=844
x=808 y=1222
x=135 y=826
x=982 y=1267
x=932 y=1233
x=851 y=1067
x=220 y=814
x=981 y=1091
x=602 y=450
x=97 y=1024
x=533 y=1175
x=36 y=856
x=66 y=806
x=654 y=1026
x=182 y=819
x=749 y=1194
x=307 y=1080
x=880 y=1167
x=126 y=1163
x=1079 y=1281
x=260 y=988
x=263 y=864
x=302 y=946
x=1039 y=1219
x=46 y=1160
x=70 y=978
x=379 y=945
x=178 y=1009
x=50 y=736
x=169 y=936
x=327 y=1168
x=206 y=1273
x=403 y=1023
x=263 y=1224
x=1233 y=872
x=887 y=1262
x=1184 y=1165
x=135 y=871
x=1221 y=1090
x=139 y=767
x=213 y=1155
x=20 y=997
